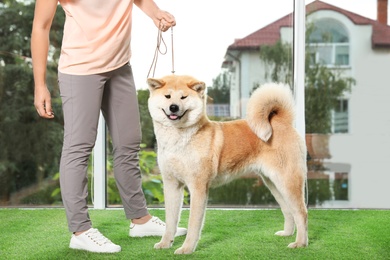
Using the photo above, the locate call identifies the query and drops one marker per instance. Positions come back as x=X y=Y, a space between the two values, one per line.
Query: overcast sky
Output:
x=204 y=30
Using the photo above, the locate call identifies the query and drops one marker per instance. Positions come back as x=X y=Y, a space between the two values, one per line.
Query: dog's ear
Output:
x=197 y=86
x=155 y=83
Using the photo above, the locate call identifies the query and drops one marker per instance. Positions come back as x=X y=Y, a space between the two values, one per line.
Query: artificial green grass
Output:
x=227 y=234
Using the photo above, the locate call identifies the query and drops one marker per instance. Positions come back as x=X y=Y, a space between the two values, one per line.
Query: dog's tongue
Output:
x=173 y=116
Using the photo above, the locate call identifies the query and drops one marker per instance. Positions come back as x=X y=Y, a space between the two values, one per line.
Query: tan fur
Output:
x=198 y=153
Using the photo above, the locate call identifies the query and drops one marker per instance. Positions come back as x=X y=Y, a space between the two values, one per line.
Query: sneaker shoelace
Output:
x=97 y=237
x=158 y=221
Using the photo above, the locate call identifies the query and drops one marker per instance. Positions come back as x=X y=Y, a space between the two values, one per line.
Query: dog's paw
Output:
x=184 y=251
x=283 y=233
x=163 y=244
x=296 y=245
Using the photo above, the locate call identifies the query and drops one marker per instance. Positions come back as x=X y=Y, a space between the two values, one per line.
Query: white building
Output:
x=359 y=148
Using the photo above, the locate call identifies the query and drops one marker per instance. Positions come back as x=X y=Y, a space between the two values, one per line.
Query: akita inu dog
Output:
x=198 y=153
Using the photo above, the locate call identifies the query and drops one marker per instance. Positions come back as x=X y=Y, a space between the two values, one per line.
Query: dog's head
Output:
x=176 y=100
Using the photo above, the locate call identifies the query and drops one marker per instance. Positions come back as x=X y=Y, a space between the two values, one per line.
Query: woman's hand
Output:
x=42 y=102
x=164 y=20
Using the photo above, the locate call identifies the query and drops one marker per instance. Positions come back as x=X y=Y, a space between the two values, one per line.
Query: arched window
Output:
x=328 y=43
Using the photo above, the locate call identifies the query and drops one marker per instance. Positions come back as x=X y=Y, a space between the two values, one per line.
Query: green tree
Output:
x=29 y=145
x=278 y=58
x=220 y=91
x=323 y=89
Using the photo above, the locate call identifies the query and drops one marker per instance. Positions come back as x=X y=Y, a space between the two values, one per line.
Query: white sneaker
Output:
x=154 y=227
x=93 y=241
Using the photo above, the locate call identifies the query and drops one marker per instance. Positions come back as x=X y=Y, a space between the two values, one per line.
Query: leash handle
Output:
x=158 y=50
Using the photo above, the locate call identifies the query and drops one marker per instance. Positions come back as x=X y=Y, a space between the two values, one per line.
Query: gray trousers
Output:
x=83 y=97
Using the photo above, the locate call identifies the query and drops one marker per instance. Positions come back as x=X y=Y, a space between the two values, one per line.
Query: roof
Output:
x=270 y=34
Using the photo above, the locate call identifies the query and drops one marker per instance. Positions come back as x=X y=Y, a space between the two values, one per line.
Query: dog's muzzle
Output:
x=173 y=109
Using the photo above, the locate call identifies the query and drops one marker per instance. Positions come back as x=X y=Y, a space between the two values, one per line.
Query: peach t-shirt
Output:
x=96 y=36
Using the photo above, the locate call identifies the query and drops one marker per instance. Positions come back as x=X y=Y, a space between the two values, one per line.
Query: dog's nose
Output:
x=174 y=108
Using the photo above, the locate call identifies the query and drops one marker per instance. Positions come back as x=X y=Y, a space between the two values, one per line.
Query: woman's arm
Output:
x=43 y=17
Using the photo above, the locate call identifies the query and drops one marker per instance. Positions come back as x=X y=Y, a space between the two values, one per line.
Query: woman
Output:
x=94 y=74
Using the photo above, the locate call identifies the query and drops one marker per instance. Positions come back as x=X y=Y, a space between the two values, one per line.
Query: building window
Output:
x=340 y=117
x=329 y=43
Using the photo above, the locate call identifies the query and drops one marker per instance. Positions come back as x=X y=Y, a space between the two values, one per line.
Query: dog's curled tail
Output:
x=272 y=101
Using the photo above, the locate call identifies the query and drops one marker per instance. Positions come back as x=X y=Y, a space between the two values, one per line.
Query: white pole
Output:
x=99 y=166
x=299 y=64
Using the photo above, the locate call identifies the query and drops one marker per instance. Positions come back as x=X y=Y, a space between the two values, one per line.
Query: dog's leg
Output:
x=300 y=217
x=198 y=202
x=173 y=195
x=292 y=192
x=288 y=217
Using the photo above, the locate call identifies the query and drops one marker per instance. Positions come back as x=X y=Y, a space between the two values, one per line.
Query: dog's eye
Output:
x=168 y=96
x=184 y=97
